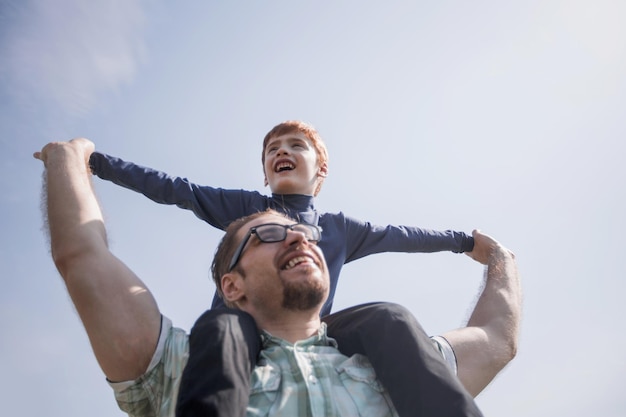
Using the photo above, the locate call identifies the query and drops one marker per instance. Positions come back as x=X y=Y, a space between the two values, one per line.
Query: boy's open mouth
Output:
x=284 y=166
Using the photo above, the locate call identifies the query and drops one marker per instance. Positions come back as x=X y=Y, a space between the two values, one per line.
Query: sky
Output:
x=502 y=116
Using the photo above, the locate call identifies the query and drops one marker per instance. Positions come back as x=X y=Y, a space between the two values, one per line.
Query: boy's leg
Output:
x=414 y=374
x=223 y=348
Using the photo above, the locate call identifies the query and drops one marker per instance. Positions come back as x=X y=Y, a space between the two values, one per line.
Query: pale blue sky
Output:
x=503 y=116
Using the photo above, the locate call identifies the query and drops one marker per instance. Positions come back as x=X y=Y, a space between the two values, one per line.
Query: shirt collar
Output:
x=298 y=206
x=319 y=339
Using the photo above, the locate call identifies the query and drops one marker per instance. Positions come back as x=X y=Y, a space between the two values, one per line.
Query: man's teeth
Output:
x=295 y=261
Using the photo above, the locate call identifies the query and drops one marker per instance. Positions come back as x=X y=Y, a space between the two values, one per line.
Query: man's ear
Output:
x=232 y=287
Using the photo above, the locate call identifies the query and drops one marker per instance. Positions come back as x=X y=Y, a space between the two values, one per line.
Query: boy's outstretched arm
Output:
x=120 y=315
x=216 y=206
x=156 y=185
x=489 y=342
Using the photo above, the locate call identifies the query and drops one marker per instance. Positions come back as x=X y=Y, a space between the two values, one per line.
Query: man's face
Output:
x=291 y=165
x=287 y=275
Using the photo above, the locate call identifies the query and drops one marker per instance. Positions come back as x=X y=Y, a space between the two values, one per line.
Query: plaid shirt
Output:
x=308 y=378
x=311 y=378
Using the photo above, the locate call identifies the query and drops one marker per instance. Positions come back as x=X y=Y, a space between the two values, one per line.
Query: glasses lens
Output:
x=269 y=233
x=310 y=232
x=272 y=232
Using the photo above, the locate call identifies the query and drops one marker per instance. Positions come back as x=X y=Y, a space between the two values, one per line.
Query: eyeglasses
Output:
x=275 y=232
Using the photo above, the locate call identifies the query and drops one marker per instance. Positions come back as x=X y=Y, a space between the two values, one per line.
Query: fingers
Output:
x=484 y=247
x=79 y=144
x=43 y=153
x=86 y=145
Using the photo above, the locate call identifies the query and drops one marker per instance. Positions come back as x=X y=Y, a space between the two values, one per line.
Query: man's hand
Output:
x=81 y=145
x=485 y=247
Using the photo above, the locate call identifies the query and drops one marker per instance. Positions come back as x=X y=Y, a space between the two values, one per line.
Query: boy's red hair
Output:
x=291 y=126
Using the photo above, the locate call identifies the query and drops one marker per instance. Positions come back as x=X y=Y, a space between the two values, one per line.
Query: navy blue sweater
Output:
x=344 y=239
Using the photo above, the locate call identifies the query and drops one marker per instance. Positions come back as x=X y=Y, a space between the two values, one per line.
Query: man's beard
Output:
x=302 y=297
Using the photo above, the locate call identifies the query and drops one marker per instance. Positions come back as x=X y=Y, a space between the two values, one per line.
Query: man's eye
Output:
x=272 y=236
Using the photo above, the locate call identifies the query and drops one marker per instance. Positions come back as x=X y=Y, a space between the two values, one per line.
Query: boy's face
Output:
x=291 y=165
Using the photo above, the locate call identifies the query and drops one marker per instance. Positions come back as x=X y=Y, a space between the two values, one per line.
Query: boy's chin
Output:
x=289 y=187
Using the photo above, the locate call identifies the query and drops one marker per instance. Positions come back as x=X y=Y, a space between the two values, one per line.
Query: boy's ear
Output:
x=232 y=287
x=323 y=170
x=265 y=182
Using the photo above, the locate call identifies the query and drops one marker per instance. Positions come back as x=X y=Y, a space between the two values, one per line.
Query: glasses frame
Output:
x=316 y=231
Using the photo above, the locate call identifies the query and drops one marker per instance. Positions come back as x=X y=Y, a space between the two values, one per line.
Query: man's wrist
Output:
x=499 y=253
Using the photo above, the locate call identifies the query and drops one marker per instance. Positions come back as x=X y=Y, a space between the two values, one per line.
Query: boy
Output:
x=295 y=163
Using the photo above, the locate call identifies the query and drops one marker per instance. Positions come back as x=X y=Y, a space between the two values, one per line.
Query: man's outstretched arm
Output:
x=489 y=342
x=120 y=315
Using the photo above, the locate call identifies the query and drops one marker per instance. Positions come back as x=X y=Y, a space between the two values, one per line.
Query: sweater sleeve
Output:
x=364 y=238
x=216 y=206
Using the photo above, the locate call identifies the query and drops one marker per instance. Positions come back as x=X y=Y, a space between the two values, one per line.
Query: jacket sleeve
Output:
x=216 y=206
x=364 y=238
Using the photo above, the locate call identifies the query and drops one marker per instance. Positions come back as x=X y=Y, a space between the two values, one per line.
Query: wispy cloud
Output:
x=63 y=53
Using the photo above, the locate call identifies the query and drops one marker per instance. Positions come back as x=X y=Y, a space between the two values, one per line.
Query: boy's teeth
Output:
x=284 y=165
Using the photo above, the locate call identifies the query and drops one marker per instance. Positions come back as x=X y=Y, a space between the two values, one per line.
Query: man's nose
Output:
x=295 y=238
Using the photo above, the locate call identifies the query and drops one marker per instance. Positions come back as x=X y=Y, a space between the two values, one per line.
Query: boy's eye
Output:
x=300 y=145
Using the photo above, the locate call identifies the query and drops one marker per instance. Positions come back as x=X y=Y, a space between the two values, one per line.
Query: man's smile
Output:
x=298 y=260
x=299 y=257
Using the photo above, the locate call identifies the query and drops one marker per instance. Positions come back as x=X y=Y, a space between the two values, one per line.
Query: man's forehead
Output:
x=267 y=218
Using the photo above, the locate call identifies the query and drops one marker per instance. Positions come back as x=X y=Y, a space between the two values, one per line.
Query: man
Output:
x=284 y=292
x=295 y=164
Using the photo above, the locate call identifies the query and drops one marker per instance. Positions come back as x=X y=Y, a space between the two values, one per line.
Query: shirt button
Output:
x=312 y=379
